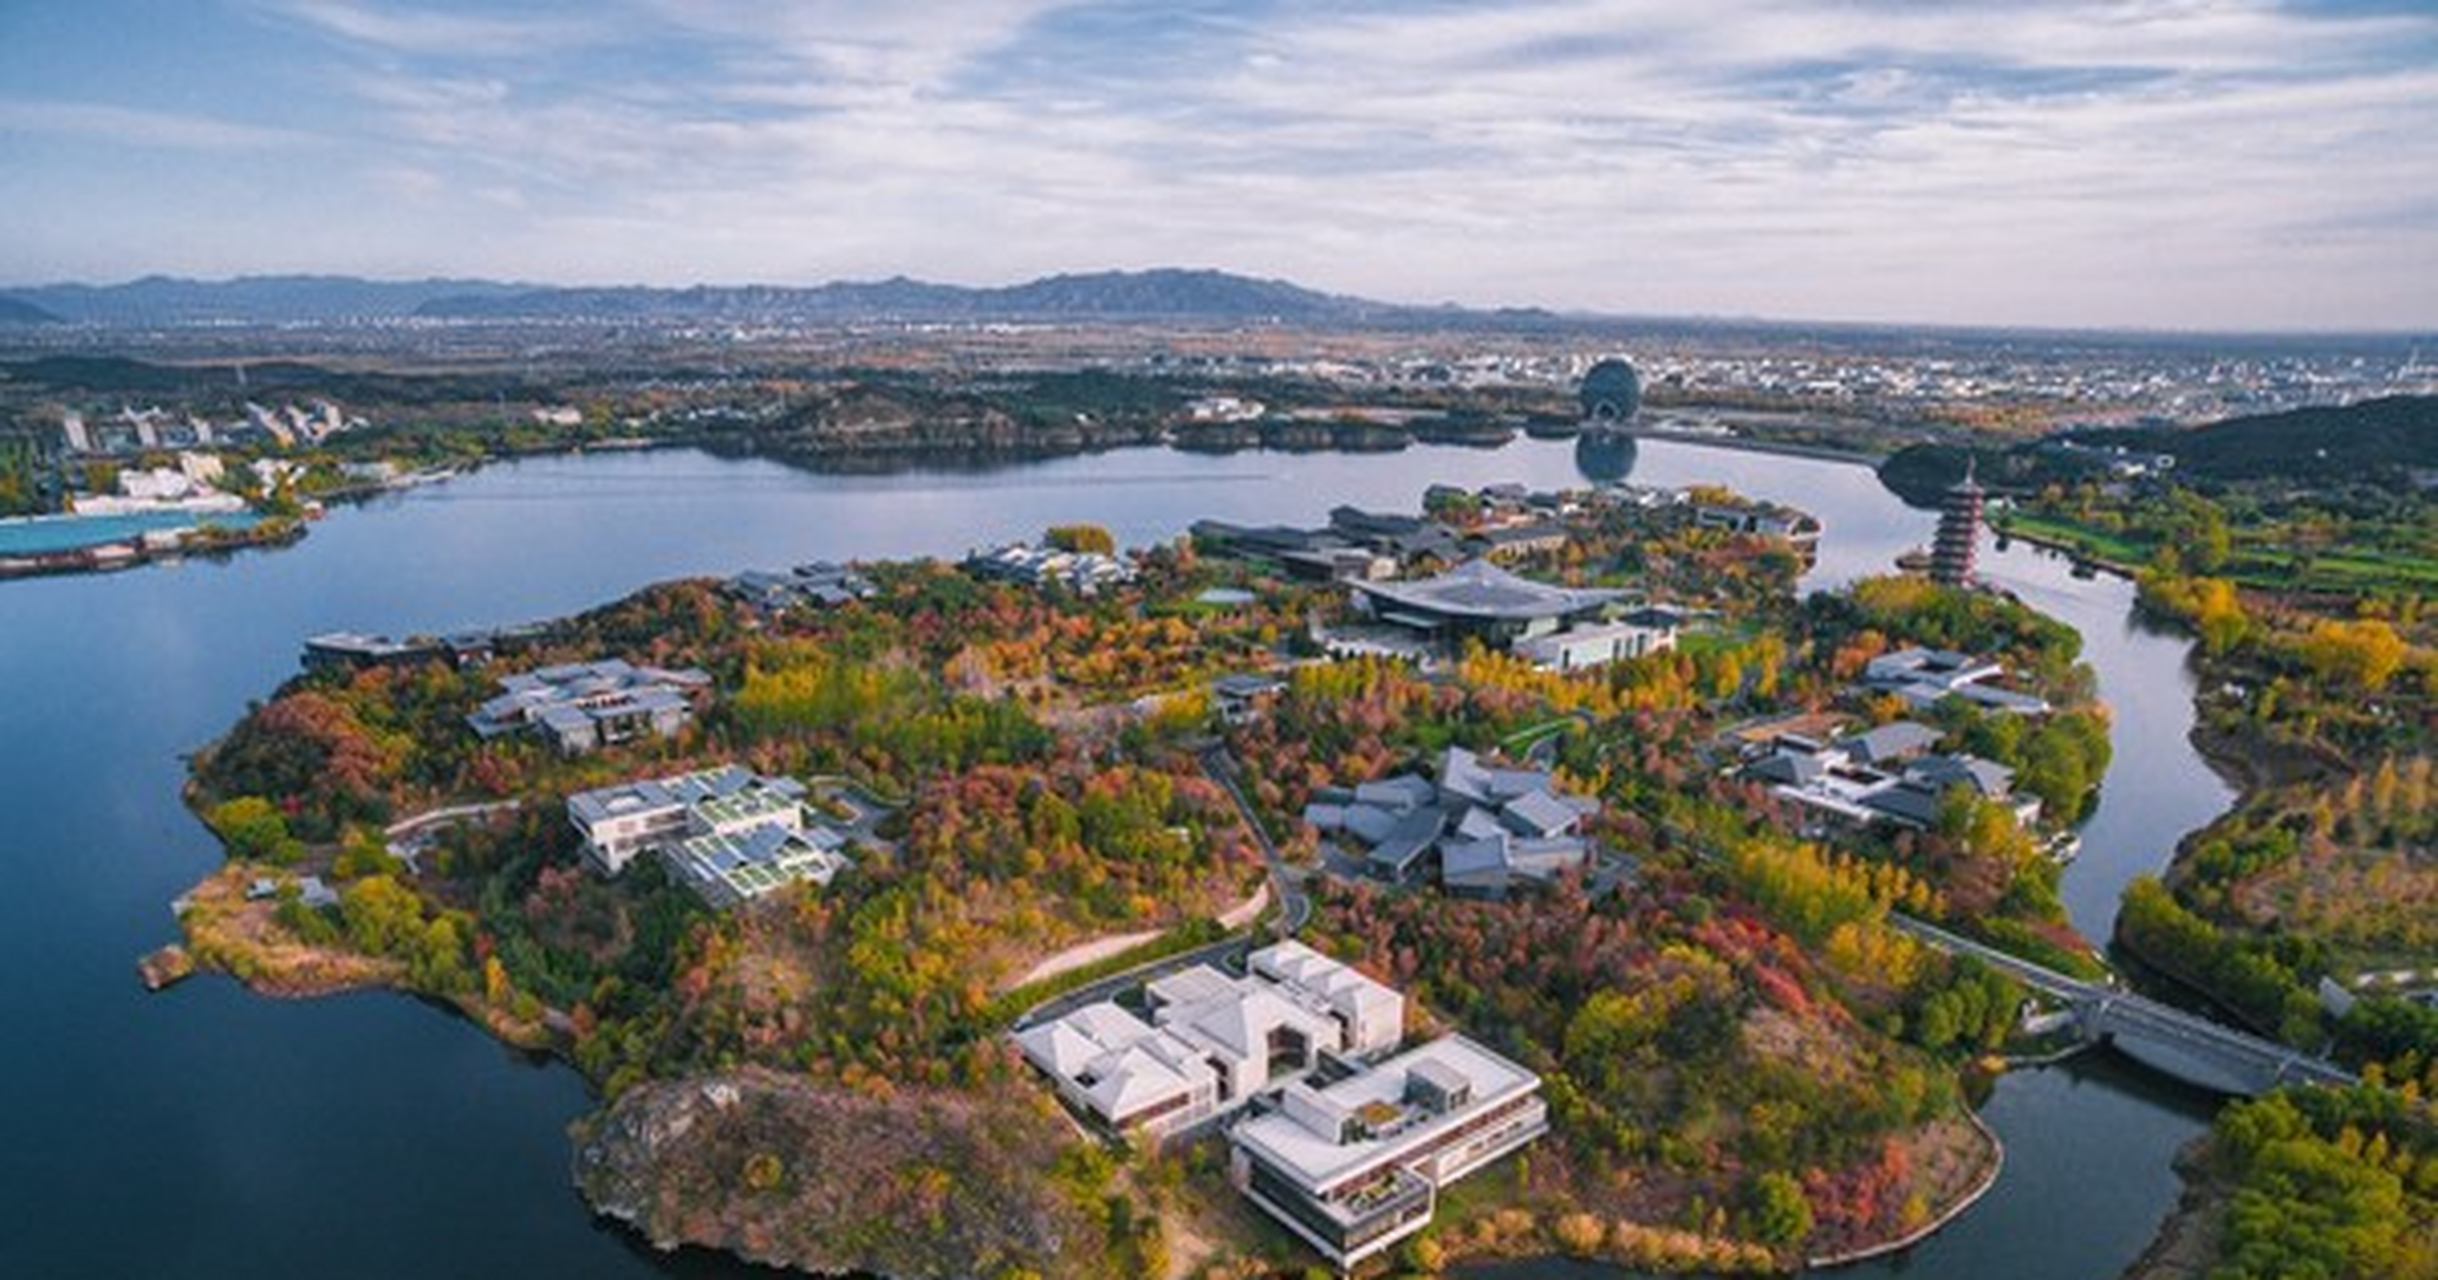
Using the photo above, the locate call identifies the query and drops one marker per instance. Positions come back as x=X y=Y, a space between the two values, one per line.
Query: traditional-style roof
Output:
x=1892 y=741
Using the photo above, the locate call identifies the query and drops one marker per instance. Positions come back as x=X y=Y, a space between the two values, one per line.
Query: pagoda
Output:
x=1951 y=554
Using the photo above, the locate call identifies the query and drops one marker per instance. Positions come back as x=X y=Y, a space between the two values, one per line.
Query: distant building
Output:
x=1320 y=555
x=1953 y=550
x=1242 y=696
x=729 y=834
x=1926 y=677
x=819 y=585
x=354 y=651
x=582 y=706
x=1355 y=1165
x=1883 y=777
x=1401 y=537
x=1515 y=541
x=1611 y=393
x=1799 y=529
x=1083 y=572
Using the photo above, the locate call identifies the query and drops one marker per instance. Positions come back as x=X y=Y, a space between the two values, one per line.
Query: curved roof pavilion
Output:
x=1480 y=594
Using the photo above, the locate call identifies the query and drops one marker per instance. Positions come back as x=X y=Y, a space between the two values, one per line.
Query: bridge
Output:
x=2187 y=1046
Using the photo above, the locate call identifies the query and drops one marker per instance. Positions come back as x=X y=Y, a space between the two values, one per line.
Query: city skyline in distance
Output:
x=2239 y=166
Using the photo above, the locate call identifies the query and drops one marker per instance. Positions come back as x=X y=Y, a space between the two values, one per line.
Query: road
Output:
x=1294 y=905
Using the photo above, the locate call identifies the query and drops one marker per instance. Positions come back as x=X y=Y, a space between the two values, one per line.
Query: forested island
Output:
x=1746 y=1064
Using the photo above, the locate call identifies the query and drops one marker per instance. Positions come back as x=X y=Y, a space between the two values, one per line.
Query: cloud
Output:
x=2085 y=161
x=141 y=127
x=434 y=32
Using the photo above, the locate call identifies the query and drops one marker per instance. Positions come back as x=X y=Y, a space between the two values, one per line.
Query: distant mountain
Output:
x=13 y=311
x=163 y=300
x=1167 y=293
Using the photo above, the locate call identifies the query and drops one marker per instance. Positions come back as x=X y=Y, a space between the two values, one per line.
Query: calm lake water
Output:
x=206 y=1132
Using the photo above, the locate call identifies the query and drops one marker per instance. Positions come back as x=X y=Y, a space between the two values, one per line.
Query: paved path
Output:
x=1295 y=906
x=434 y=817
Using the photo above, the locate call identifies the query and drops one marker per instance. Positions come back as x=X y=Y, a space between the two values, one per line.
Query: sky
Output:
x=2181 y=164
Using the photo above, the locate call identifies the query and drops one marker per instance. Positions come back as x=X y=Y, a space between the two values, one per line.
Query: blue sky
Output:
x=2163 y=163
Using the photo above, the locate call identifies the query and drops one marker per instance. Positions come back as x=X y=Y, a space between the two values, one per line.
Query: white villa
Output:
x=1342 y=1139
x=1356 y=1165
x=1213 y=1039
x=729 y=834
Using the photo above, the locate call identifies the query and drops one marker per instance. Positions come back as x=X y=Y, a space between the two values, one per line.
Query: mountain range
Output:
x=1166 y=293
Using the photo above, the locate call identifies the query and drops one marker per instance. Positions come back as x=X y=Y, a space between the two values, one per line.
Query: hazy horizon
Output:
x=2245 y=166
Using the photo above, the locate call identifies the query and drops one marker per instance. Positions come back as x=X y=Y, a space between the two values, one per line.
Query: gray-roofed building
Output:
x=1836 y=782
x=1488 y=827
x=1241 y=696
x=1987 y=778
x=1368 y=822
x=1083 y=572
x=1513 y=541
x=353 y=651
x=1476 y=868
x=1538 y=813
x=1908 y=803
x=1895 y=741
x=728 y=867
x=1925 y=677
x=1397 y=855
x=1788 y=767
x=1404 y=791
x=581 y=706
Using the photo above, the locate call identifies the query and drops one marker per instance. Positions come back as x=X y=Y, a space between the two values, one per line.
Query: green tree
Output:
x=1081 y=538
x=253 y=830
x=1779 y=1212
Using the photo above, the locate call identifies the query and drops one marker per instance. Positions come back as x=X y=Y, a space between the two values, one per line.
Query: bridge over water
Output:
x=2167 y=1039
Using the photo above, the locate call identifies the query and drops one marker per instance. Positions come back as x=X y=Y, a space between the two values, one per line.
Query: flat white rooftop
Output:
x=1319 y=1160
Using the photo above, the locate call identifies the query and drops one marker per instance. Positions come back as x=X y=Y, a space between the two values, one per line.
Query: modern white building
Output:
x=1596 y=645
x=1355 y=1165
x=1213 y=1040
x=730 y=834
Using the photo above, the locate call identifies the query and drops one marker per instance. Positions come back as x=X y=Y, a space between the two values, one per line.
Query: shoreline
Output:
x=1751 y=444
x=128 y=553
x=1939 y=1222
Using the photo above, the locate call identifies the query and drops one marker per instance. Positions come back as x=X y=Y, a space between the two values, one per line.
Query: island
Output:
x=1081 y=911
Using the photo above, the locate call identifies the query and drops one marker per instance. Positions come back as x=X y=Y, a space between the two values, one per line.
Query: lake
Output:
x=206 y=1132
